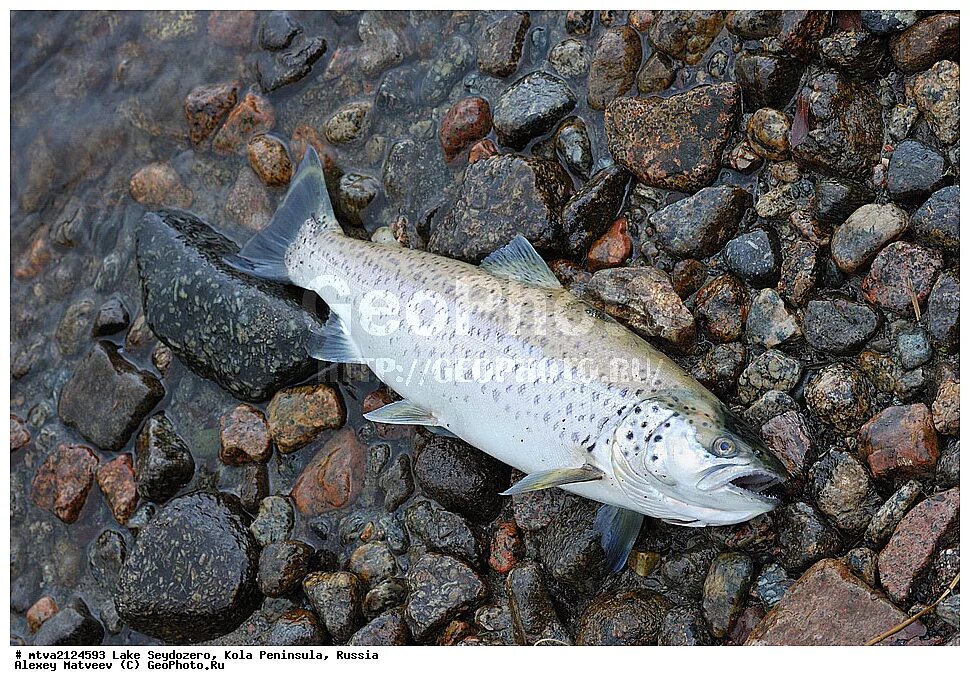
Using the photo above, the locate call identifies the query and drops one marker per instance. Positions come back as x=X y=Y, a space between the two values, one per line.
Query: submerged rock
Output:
x=530 y=107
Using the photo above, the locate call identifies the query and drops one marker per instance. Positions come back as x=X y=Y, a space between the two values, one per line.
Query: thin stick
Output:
x=902 y=625
x=554 y=641
x=912 y=296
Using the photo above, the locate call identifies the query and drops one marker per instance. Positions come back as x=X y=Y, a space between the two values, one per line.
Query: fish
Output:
x=503 y=357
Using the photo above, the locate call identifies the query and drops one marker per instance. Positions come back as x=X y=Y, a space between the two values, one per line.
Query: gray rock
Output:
x=836 y=199
x=841 y=396
x=439 y=588
x=292 y=63
x=683 y=626
x=942 y=317
x=533 y=615
x=274 y=521
x=769 y=322
x=570 y=58
x=112 y=317
x=770 y=371
x=396 y=482
x=336 y=600
x=591 y=210
x=937 y=222
x=804 y=536
x=937 y=93
x=573 y=147
x=864 y=234
x=454 y=58
x=768 y=406
x=885 y=22
x=624 y=618
x=443 y=532
x=71 y=626
x=725 y=591
x=296 y=627
x=163 y=463
x=754 y=256
x=948 y=466
x=278 y=30
x=699 y=225
x=839 y=326
x=856 y=53
x=891 y=513
x=501 y=44
x=915 y=171
x=772 y=584
x=613 y=69
x=843 y=490
x=530 y=107
x=913 y=347
x=388 y=629
x=949 y=611
x=864 y=563
x=373 y=562
x=282 y=566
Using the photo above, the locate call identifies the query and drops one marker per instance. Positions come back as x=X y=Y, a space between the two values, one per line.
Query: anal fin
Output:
x=554 y=477
x=619 y=528
x=402 y=412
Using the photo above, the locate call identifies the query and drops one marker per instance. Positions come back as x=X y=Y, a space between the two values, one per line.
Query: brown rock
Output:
x=840 y=395
x=614 y=66
x=482 y=150
x=231 y=28
x=501 y=44
x=799 y=271
x=248 y=201
x=32 y=261
x=926 y=41
x=270 y=160
x=787 y=436
x=900 y=273
x=62 y=483
x=611 y=249
x=206 y=105
x=685 y=34
x=656 y=74
x=251 y=116
x=244 y=436
x=626 y=618
x=304 y=135
x=19 y=435
x=767 y=131
x=946 y=408
x=688 y=276
x=829 y=605
x=116 y=479
x=333 y=478
x=722 y=307
x=673 y=143
x=40 y=612
x=910 y=551
x=298 y=415
x=464 y=123
x=506 y=547
x=800 y=31
x=937 y=94
x=158 y=185
x=900 y=441
x=376 y=400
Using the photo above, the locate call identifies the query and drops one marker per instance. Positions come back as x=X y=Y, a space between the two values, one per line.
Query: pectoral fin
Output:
x=555 y=477
x=402 y=412
x=618 y=529
x=519 y=261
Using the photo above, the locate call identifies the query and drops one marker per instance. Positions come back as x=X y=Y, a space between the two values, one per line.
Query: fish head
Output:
x=688 y=459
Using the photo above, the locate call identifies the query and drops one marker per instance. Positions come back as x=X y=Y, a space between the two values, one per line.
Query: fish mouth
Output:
x=749 y=481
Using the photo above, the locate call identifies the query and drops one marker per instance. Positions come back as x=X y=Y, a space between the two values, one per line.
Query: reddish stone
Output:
x=231 y=28
x=482 y=150
x=158 y=185
x=456 y=632
x=253 y=115
x=116 y=479
x=899 y=273
x=19 y=435
x=465 y=122
x=40 y=612
x=376 y=400
x=910 y=551
x=506 y=547
x=298 y=415
x=800 y=31
x=788 y=438
x=569 y=273
x=62 y=483
x=750 y=617
x=333 y=478
x=611 y=249
x=829 y=605
x=33 y=260
x=248 y=201
x=206 y=106
x=304 y=135
x=900 y=441
x=688 y=276
x=244 y=436
x=270 y=160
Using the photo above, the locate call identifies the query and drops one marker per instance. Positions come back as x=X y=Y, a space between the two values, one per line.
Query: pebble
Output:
x=768 y=406
x=282 y=567
x=900 y=441
x=891 y=513
x=40 y=612
x=683 y=626
x=856 y=53
x=206 y=106
x=645 y=299
x=570 y=58
x=725 y=591
x=296 y=627
x=461 y=478
x=946 y=408
x=116 y=479
x=443 y=531
x=926 y=41
x=277 y=30
x=333 y=478
x=253 y=115
x=839 y=326
x=835 y=200
x=248 y=201
x=439 y=588
x=71 y=333
x=688 y=276
x=799 y=272
x=804 y=536
x=573 y=147
x=829 y=605
x=787 y=436
x=936 y=223
x=942 y=319
x=685 y=34
x=104 y=374
x=949 y=611
x=613 y=68
x=349 y=124
x=625 y=618
x=769 y=323
x=191 y=574
x=867 y=230
x=159 y=185
x=501 y=44
x=372 y=563
x=506 y=547
x=454 y=58
x=71 y=626
x=244 y=436
x=767 y=80
x=336 y=600
x=388 y=629
x=843 y=491
x=721 y=307
x=673 y=143
x=533 y=615
x=768 y=131
x=62 y=482
x=569 y=547
x=291 y=63
x=772 y=584
x=885 y=22
x=274 y=521
x=465 y=122
x=754 y=256
x=915 y=171
x=611 y=249
x=754 y=24
x=912 y=346
x=722 y=365
x=901 y=273
x=593 y=208
x=296 y=416
x=840 y=395
x=698 y=226
x=384 y=596
x=163 y=463
x=112 y=317
x=270 y=160
x=530 y=107
x=579 y=22
x=396 y=482
x=937 y=94
x=801 y=30
x=656 y=74
x=904 y=561
x=770 y=371
x=481 y=150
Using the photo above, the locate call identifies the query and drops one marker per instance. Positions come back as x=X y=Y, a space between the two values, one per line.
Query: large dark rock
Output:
x=767 y=80
x=291 y=64
x=248 y=335
x=589 y=213
x=915 y=171
x=699 y=225
x=937 y=222
x=838 y=326
x=498 y=198
x=191 y=575
x=163 y=463
x=107 y=397
x=439 y=588
x=461 y=478
x=530 y=107
x=630 y=618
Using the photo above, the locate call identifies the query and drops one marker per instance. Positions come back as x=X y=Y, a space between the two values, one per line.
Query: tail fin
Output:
x=306 y=201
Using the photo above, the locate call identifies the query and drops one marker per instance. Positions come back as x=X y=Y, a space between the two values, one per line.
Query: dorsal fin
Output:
x=519 y=261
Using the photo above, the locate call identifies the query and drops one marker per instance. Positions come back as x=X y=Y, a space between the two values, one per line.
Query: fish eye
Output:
x=723 y=446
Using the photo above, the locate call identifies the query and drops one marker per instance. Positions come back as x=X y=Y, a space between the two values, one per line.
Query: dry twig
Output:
x=902 y=625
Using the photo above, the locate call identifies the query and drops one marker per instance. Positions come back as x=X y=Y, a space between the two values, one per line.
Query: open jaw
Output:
x=755 y=482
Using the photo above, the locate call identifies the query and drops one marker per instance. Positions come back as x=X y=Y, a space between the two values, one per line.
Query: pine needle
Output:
x=554 y=641
x=902 y=625
x=913 y=298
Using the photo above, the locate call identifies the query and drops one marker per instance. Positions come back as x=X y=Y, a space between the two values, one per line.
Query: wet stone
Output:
x=461 y=478
x=205 y=107
x=443 y=531
x=904 y=561
x=191 y=575
x=570 y=58
x=248 y=201
x=767 y=80
x=163 y=463
x=891 y=512
x=388 y=594
x=644 y=298
x=788 y=438
x=297 y=627
x=829 y=605
x=937 y=222
x=772 y=584
x=673 y=143
x=372 y=562
x=836 y=199
x=439 y=588
x=769 y=322
x=62 y=482
x=683 y=626
x=770 y=371
x=388 y=629
x=840 y=395
x=530 y=107
x=116 y=479
x=19 y=435
x=799 y=272
x=926 y=41
x=296 y=416
x=72 y=626
x=282 y=566
x=349 y=124
x=112 y=317
x=685 y=34
x=533 y=614
x=200 y=321
x=579 y=22
x=804 y=536
x=613 y=69
x=800 y=31
x=767 y=131
x=725 y=591
x=942 y=319
x=900 y=441
x=289 y=64
x=754 y=24
x=721 y=307
x=838 y=326
x=454 y=58
x=625 y=618
x=501 y=44
x=270 y=160
x=699 y=225
x=159 y=185
x=274 y=521
x=396 y=482
x=656 y=74
x=768 y=406
x=915 y=171
x=573 y=147
x=721 y=366
x=465 y=122
x=843 y=491
x=40 y=612
x=688 y=276
x=334 y=477
x=278 y=30
x=937 y=93
x=253 y=115
x=856 y=53
x=901 y=273
x=865 y=233
x=520 y=194
x=106 y=555
x=886 y=22
x=611 y=249
x=244 y=436
x=506 y=547
x=336 y=600
x=754 y=256
x=912 y=346
x=592 y=209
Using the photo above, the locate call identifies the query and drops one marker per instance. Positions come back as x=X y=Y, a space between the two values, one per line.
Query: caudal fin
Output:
x=306 y=207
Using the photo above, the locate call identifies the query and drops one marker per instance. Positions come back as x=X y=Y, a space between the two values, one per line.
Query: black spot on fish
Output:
x=657 y=439
x=629 y=435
